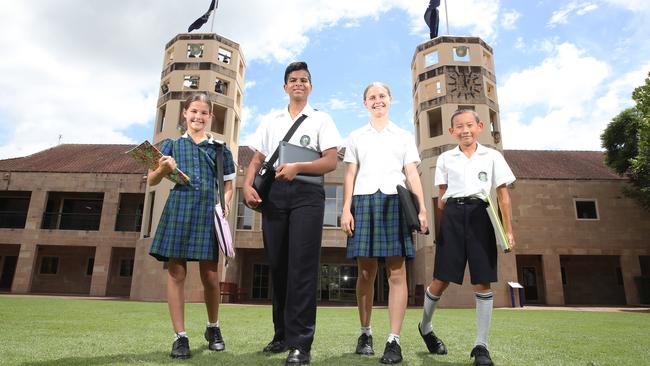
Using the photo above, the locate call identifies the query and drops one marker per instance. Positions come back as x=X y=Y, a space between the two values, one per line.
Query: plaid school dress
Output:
x=186 y=227
x=379 y=228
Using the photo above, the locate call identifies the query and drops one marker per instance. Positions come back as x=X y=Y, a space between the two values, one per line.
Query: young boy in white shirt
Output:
x=466 y=235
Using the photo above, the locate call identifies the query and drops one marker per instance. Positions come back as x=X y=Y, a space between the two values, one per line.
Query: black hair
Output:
x=295 y=66
x=461 y=111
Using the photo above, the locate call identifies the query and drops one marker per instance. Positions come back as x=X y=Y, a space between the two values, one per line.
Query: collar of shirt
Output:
x=307 y=110
x=211 y=139
x=390 y=127
x=480 y=149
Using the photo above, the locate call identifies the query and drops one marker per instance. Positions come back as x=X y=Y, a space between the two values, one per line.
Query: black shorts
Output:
x=466 y=236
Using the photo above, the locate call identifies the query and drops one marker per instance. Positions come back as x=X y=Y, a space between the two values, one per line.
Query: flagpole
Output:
x=216 y=3
x=446 y=17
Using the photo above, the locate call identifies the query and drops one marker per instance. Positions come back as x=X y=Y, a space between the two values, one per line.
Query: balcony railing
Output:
x=70 y=221
x=13 y=219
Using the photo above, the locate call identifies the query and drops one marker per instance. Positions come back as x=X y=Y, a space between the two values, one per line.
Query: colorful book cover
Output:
x=499 y=232
x=148 y=155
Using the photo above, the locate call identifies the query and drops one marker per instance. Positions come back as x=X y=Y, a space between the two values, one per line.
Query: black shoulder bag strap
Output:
x=286 y=138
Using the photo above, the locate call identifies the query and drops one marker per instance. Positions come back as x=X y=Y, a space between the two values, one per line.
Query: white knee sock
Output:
x=484 y=304
x=430 y=302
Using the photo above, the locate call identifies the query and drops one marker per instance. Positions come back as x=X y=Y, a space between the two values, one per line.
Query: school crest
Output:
x=305 y=140
x=482 y=176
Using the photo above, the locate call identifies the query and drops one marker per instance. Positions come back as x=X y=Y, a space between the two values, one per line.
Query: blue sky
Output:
x=90 y=71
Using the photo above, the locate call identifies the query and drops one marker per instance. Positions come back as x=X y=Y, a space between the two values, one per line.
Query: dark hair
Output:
x=295 y=66
x=197 y=97
x=461 y=111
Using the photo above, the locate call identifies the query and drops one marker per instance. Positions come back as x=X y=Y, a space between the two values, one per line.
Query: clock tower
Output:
x=449 y=73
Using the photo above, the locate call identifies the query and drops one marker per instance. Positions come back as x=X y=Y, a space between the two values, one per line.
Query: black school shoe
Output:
x=275 y=347
x=214 y=338
x=364 y=345
x=181 y=348
x=434 y=344
x=481 y=356
x=297 y=357
x=392 y=353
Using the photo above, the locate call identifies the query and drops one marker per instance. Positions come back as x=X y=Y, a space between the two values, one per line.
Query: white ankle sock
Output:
x=392 y=337
x=366 y=330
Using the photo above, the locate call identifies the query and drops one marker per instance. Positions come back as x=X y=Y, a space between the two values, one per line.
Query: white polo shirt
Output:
x=381 y=157
x=464 y=176
x=317 y=132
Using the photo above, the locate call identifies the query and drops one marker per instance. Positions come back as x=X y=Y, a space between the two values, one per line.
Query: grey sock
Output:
x=484 y=304
x=430 y=302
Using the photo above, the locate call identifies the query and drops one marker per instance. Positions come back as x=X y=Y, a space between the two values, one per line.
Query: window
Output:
x=221 y=86
x=333 y=205
x=224 y=55
x=461 y=53
x=586 y=210
x=191 y=82
x=170 y=56
x=195 y=50
x=244 y=214
x=126 y=267
x=218 y=124
x=431 y=59
x=89 y=266
x=260 y=281
x=164 y=87
x=161 y=118
x=49 y=265
x=435 y=122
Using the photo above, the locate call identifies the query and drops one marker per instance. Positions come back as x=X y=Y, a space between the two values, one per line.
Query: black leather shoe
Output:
x=481 y=356
x=434 y=344
x=364 y=345
x=297 y=357
x=214 y=338
x=275 y=347
x=392 y=353
x=181 y=348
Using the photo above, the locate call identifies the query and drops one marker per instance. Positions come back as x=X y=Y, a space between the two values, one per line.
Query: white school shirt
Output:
x=465 y=177
x=317 y=132
x=380 y=157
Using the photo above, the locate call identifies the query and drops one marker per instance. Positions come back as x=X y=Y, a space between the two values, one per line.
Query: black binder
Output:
x=410 y=208
x=289 y=153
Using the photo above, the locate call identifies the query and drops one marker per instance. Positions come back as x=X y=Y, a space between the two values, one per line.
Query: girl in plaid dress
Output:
x=186 y=228
x=380 y=156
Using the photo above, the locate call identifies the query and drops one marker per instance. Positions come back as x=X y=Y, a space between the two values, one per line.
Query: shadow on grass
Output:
x=205 y=357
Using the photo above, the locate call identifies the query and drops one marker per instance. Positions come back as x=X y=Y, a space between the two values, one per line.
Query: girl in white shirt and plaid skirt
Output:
x=378 y=157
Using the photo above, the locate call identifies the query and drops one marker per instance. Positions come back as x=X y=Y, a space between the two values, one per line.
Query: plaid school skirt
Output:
x=379 y=228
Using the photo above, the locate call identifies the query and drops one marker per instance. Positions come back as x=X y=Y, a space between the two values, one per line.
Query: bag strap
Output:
x=220 y=182
x=286 y=138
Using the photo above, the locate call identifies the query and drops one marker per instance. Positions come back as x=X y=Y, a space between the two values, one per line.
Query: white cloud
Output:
x=509 y=18
x=90 y=70
x=634 y=5
x=551 y=105
x=339 y=104
x=561 y=15
x=249 y=84
x=520 y=44
x=259 y=120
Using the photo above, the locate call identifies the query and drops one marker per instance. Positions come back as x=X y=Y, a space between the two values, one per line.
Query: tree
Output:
x=627 y=141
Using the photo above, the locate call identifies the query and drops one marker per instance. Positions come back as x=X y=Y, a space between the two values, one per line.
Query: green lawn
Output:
x=53 y=331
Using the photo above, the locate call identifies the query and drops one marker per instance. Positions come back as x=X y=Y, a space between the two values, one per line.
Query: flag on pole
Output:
x=203 y=19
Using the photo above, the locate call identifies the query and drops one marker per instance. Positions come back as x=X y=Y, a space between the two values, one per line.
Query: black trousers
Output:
x=292 y=225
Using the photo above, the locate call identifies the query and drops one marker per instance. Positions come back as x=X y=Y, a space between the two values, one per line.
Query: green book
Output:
x=493 y=211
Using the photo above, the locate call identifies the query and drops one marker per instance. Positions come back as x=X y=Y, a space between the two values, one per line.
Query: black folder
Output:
x=410 y=208
x=289 y=153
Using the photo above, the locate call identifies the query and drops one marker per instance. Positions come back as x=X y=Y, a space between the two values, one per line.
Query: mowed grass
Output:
x=59 y=331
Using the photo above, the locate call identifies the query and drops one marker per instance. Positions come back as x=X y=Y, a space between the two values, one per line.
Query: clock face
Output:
x=463 y=83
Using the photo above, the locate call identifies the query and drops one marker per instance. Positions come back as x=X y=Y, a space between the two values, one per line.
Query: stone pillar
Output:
x=630 y=267
x=109 y=211
x=24 y=268
x=553 y=279
x=101 y=271
x=37 y=204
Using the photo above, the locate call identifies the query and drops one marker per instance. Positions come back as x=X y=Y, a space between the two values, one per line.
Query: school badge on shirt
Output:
x=482 y=176
x=305 y=140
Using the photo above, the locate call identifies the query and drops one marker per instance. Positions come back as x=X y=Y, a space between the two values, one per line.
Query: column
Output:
x=553 y=279
x=24 y=268
x=630 y=267
x=101 y=271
